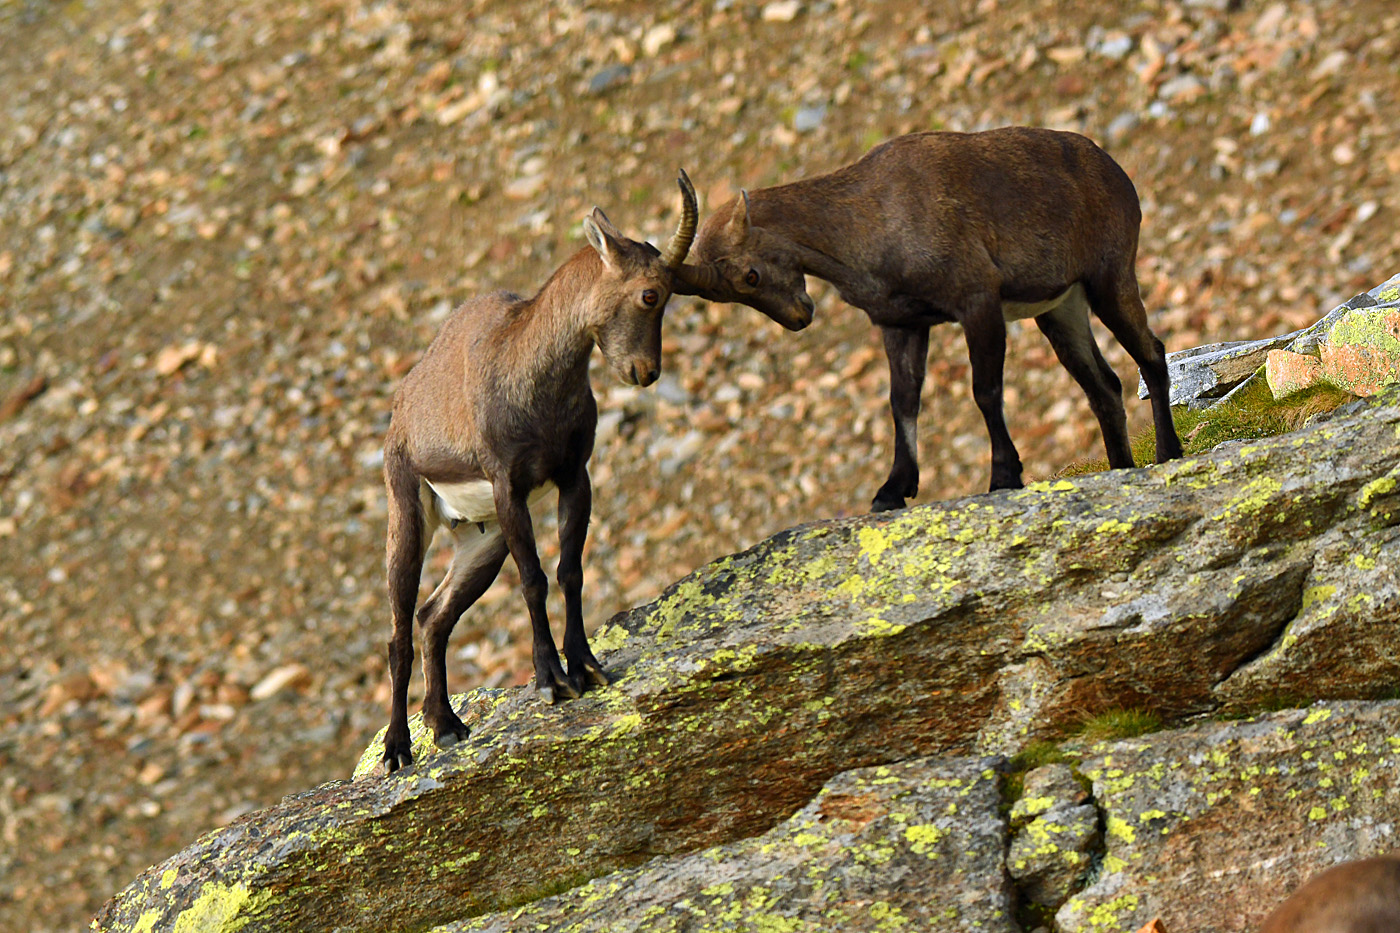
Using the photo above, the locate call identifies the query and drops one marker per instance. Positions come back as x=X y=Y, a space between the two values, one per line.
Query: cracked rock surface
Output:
x=968 y=626
x=915 y=845
x=1209 y=827
x=1055 y=836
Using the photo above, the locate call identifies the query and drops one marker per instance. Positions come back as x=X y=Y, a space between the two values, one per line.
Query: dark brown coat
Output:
x=970 y=228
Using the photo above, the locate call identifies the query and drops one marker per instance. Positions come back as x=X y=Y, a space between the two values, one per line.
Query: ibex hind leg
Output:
x=985 y=332
x=1117 y=302
x=1067 y=329
x=410 y=530
x=476 y=561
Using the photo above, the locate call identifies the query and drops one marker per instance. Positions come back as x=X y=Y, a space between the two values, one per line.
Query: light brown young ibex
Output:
x=497 y=411
x=1353 y=897
x=973 y=228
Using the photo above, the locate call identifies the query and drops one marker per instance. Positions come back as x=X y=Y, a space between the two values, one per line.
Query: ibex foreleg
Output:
x=906 y=348
x=575 y=505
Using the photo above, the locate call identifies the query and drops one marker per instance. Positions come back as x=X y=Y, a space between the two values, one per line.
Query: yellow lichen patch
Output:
x=1117 y=826
x=923 y=837
x=216 y=908
x=1375 y=489
x=1317 y=594
x=1253 y=498
x=1033 y=806
x=1114 y=525
x=167 y=879
x=608 y=638
x=1106 y=915
x=873 y=543
x=1317 y=715
x=879 y=627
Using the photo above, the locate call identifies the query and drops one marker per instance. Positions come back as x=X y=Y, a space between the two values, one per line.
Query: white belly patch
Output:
x=1021 y=310
x=473 y=501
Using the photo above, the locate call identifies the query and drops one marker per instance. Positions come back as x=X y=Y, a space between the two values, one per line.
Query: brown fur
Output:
x=502 y=400
x=1354 y=897
x=938 y=227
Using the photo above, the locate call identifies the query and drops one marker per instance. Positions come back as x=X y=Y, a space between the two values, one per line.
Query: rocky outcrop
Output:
x=1210 y=827
x=1361 y=354
x=1217 y=584
x=915 y=845
x=1350 y=347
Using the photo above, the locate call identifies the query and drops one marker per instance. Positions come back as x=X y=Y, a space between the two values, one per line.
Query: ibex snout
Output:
x=643 y=373
x=796 y=316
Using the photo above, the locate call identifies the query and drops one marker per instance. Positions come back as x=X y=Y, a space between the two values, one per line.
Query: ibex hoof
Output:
x=595 y=675
x=451 y=735
x=396 y=758
x=882 y=504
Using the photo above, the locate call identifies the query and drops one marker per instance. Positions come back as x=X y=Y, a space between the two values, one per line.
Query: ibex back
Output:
x=973 y=228
x=1353 y=897
x=497 y=411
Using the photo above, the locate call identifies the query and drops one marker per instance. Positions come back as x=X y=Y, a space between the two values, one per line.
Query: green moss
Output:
x=1119 y=724
x=1251 y=413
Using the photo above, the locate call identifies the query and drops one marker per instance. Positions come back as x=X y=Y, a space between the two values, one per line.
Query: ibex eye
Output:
x=650 y=297
x=751 y=277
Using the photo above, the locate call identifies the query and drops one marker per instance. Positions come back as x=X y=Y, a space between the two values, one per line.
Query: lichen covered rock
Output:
x=912 y=846
x=1352 y=347
x=1055 y=834
x=973 y=625
x=1209 y=826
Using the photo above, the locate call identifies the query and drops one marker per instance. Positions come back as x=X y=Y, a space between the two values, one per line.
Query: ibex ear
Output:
x=596 y=229
x=606 y=225
x=738 y=226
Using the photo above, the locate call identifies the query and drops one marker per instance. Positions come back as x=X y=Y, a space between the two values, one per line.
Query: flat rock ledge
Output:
x=1213 y=585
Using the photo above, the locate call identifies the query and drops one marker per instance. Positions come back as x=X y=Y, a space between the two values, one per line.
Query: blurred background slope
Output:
x=226 y=230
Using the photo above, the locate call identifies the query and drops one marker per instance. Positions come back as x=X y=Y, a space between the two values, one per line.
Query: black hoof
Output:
x=595 y=675
x=558 y=688
x=585 y=671
x=448 y=734
x=882 y=504
x=397 y=754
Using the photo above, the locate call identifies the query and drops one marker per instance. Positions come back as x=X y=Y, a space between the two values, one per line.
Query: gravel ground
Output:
x=228 y=230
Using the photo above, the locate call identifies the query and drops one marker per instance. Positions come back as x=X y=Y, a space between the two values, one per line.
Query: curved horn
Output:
x=679 y=246
x=696 y=279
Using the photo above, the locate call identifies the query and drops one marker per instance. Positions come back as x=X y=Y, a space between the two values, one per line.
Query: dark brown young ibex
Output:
x=1353 y=897
x=974 y=228
x=498 y=410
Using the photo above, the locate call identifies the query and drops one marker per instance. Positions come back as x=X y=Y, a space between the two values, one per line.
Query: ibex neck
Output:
x=552 y=339
x=817 y=216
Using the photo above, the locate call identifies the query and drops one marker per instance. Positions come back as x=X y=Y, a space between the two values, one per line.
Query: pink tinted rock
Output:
x=1288 y=372
x=1361 y=370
